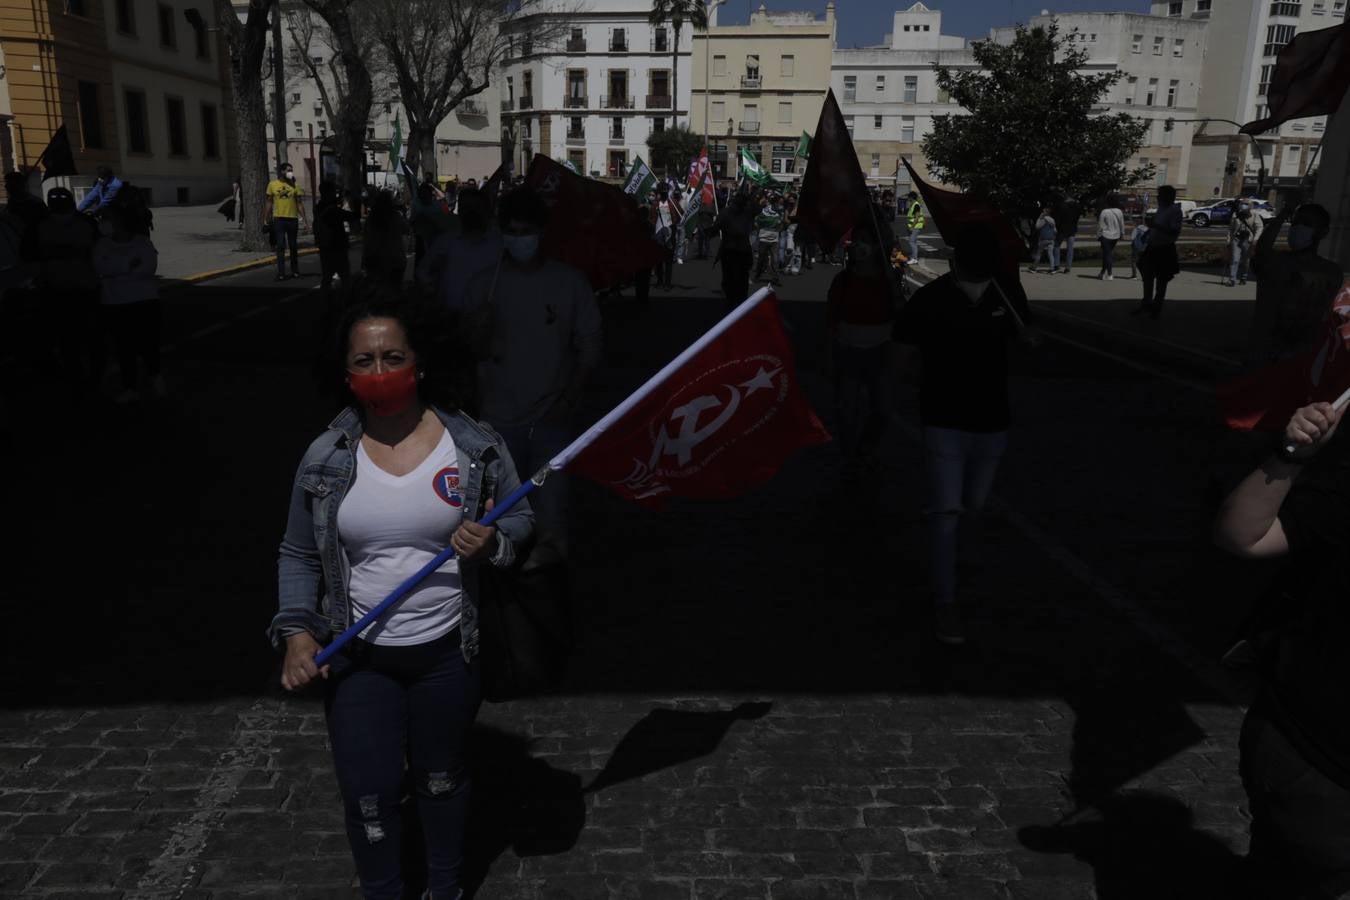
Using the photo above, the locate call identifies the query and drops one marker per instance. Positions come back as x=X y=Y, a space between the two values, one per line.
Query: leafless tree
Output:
x=247 y=44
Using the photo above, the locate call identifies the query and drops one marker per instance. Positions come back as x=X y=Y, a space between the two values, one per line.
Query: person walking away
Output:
x=1295 y=740
x=859 y=317
x=1138 y=242
x=429 y=219
x=1110 y=229
x=735 y=222
x=538 y=329
x=284 y=207
x=384 y=258
x=103 y=193
x=1294 y=287
x=1066 y=231
x=663 y=221
x=1046 y=234
x=955 y=330
x=454 y=259
x=767 y=225
x=331 y=219
x=914 y=220
x=1243 y=231
x=1158 y=264
x=399 y=474
x=70 y=285
x=129 y=314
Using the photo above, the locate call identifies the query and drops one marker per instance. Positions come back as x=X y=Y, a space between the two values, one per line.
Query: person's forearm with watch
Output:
x=1248 y=522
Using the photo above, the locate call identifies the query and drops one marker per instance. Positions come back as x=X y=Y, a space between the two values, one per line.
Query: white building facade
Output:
x=597 y=90
x=1245 y=37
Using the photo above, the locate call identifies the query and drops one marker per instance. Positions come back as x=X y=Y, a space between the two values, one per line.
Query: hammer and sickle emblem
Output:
x=689 y=435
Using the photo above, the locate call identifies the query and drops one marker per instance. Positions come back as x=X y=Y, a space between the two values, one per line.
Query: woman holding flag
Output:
x=396 y=476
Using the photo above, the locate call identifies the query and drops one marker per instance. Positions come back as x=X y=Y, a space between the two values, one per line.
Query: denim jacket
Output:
x=314 y=575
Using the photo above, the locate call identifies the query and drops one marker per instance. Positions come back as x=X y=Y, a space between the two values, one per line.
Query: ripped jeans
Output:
x=387 y=705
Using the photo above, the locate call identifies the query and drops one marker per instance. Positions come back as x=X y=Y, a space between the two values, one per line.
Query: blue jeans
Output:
x=1050 y=249
x=1067 y=255
x=857 y=393
x=913 y=244
x=531 y=447
x=1108 y=255
x=386 y=705
x=1241 y=259
x=961 y=468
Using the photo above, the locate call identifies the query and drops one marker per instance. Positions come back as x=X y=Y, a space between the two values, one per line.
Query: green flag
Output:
x=641 y=180
x=396 y=145
x=571 y=166
x=696 y=214
x=752 y=170
x=804 y=146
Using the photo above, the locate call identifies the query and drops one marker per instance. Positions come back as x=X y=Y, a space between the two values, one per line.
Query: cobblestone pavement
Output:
x=754 y=708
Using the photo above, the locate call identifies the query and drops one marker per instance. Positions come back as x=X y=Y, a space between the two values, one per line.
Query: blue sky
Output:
x=865 y=22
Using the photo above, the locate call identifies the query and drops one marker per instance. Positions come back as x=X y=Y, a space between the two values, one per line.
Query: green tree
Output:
x=672 y=149
x=1032 y=133
x=675 y=13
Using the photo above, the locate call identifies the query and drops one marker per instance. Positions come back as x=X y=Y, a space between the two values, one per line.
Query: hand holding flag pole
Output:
x=758 y=423
x=1339 y=404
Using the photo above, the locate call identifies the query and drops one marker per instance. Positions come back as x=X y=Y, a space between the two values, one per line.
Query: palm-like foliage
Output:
x=675 y=13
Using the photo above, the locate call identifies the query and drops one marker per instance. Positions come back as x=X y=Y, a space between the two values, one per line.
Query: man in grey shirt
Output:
x=537 y=332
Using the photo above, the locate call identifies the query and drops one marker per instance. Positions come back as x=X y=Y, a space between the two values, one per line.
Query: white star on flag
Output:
x=762 y=379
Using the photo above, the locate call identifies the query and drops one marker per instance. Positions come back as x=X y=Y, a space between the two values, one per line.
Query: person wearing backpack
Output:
x=1047 y=233
x=1243 y=232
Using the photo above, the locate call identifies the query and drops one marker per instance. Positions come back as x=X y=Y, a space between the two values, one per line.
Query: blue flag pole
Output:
x=415 y=579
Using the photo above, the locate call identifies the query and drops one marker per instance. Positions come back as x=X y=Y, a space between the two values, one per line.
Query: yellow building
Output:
x=137 y=83
x=760 y=86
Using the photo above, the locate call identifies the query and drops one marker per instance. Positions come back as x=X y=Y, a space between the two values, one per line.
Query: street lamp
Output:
x=1260 y=154
x=707 y=69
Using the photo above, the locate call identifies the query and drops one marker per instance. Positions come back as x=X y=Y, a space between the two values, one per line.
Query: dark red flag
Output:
x=593 y=226
x=492 y=187
x=715 y=426
x=952 y=211
x=1312 y=74
x=1265 y=400
x=834 y=192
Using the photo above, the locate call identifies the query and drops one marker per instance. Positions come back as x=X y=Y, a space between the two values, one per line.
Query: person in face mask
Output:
x=284 y=207
x=400 y=474
x=536 y=329
x=456 y=257
x=1295 y=286
x=955 y=333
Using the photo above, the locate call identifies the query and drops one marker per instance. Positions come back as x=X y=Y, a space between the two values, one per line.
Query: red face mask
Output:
x=385 y=393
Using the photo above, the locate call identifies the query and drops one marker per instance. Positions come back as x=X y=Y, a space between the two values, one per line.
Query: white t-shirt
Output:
x=391 y=526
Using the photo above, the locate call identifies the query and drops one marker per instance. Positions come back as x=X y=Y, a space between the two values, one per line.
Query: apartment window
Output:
x=1179 y=47
x=577 y=127
x=203 y=41
x=1319 y=7
x=906 y=129
x=323 y=128
x=784 y=113
x=1276 y=37
x=881 y=84
x=1174 y=8
x=1286 y=9
x=1131 y=87
x=661 y=44
x=719 y=64
x=911 y=88
x=876 y=164
x=876 y=123
x=91 y=125
x=1152 y=92
x=1162 y=172
x=1202 y=5
x=167 y=36
x=176 y=120
x=126 y=16
x=1137 y=45
x=1263 y=87
x=1157 y=45
x=658 y=124
x=210 y=132
x=719 y=111
x=851 y=88
x=76 y=8
x=316 y=60
x=295 y=97
x=138 y=131
x=370 y=132
x=1338 y=7
x=1092 y=38
x=1319 y=127
x=750 y=113
x=787 y=65
x=1172 y=93
x=300 y=128
x=849 y=123
x=752 y=65
x=618 y=40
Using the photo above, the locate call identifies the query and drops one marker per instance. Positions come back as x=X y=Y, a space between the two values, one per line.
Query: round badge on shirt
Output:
x=446 y=484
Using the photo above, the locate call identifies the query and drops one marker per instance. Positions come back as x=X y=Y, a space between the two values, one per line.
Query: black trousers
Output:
x=287 y=231
x=133 y=329
x=735 y=275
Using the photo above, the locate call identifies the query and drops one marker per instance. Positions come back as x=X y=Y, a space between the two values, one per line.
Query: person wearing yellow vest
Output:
x=285 y=209
x=914 y=219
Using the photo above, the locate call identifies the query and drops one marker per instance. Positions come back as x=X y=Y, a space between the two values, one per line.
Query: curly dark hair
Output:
x=433 y=335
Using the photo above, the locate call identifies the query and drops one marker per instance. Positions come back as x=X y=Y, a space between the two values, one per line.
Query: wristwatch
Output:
x=1285 y=451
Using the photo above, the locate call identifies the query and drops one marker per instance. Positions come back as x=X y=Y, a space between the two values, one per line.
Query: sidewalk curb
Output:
x=240 y=267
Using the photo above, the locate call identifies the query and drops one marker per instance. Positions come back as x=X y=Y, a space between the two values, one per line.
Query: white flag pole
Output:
x=1338 y=405
x=588 y=437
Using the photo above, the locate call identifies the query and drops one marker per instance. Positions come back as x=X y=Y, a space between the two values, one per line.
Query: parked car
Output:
x=1221 y=213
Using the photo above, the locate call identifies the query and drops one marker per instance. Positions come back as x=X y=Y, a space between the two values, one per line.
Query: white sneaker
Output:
x=1110 y=278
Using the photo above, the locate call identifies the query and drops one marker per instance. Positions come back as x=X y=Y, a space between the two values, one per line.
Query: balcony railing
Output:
x=658 y=101
x=607 y=102
x=527 y=102
x=577 y=102
x=474 y=108
x=616 y=132
x=750 y=82
x=749 y=128
x=618 y=45
x=576 y=137
x=576 y=45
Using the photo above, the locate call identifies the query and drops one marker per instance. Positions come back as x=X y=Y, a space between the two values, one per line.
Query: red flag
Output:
x=593 y=226
x=697 y=169
x=1312 y=74
x=719 y=424
x=834 y=193
x=952 y=212
x=1266 y=399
